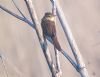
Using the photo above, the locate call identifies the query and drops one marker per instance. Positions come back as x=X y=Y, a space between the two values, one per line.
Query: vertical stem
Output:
x=33 y=16
x=82 y=69
x=45 y=49
x=56 y=51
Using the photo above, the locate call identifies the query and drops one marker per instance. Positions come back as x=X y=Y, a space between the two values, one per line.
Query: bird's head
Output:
x=49 y=16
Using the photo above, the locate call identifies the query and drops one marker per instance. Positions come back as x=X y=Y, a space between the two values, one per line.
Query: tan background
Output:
x=20 y=48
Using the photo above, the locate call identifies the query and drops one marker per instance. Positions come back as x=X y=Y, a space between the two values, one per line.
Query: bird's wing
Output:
x=51 y=28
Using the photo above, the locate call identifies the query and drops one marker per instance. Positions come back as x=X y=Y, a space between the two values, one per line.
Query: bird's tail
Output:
x=56 y=43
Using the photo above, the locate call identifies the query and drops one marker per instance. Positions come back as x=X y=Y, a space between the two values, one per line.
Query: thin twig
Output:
x=18 y=9
x=58 y=67
x=17 y=16
x=33 y=17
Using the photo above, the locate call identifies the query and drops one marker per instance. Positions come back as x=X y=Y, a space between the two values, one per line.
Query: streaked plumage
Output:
x=48 y=27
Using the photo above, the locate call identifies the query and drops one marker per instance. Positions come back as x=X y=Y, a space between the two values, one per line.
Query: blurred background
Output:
x=20 y=48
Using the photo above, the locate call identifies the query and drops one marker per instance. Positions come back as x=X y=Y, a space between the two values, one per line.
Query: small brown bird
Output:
x=48 y=27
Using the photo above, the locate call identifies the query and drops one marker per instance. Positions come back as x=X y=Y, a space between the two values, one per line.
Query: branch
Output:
x=17 y=16
x=33 y=16
x=79 y=60
x=66 y=55
x=33 y=26
x=18 y=9
x=42 y=43
x=35 y=20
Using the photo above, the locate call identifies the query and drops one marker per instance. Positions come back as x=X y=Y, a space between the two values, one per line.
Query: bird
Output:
x=49 y=29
